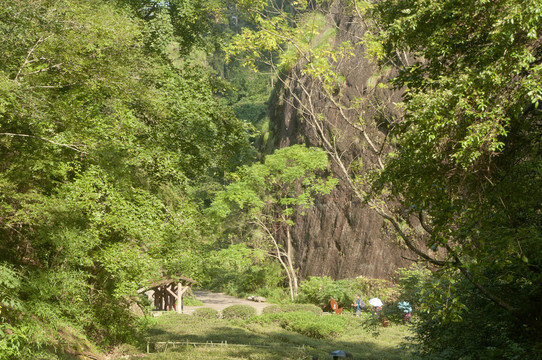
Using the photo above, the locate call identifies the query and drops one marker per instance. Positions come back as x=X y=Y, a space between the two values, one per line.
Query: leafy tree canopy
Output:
x=468 y=157
x=104 y=131
x=263 y=197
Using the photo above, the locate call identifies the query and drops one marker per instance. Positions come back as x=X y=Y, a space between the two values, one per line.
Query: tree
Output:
x=468 y=157
x=467 y=154
x=316 y=59
x=267 y=195
x=103 y=135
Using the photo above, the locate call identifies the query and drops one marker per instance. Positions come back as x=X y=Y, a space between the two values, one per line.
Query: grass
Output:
x=223 y=339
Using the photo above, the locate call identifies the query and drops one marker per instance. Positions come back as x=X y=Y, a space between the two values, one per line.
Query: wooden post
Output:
x=180 y=293
x=179 y=298
x=162 y=299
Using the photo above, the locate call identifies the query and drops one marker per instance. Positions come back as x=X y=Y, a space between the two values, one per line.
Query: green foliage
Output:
x=189 y=299
x=467 y=161
x=14 y=341
x=275 y=184
x=302 y=307
x=275 y=309
x=238 y=312
x=453 y=322
x=206 y=313
x=264 y=196
x=276 y=294
x=319 y=291
x=410 y=283
x=247 y=91
x=105 y=131
x=9 y=287
x=307 y=323
x=251 y=110
x=286 y=35
x=272 y=309
x=188 y=23
x=240 y=270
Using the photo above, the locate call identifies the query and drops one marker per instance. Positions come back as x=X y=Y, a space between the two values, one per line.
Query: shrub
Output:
x=238 y=270
x=206 y=313
x=454 y=322
x=307 y=323
x=238 y=312
x=410 y=283
x=275 y=309
x=303 y=307
x=192 y=301
x=319 y=291
x=393 y=313
x=272 y=309
x=324 y=327
x=273 y=294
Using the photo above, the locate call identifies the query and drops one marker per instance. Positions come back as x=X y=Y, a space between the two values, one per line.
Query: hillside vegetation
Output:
x=128 y=152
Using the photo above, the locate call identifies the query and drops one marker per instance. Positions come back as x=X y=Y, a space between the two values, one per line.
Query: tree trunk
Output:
x=289 y=259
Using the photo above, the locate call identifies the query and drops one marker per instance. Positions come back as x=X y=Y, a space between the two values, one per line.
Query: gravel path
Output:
x=220 y=301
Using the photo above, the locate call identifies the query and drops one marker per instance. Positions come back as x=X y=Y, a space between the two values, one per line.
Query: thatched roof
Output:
x=167 y=280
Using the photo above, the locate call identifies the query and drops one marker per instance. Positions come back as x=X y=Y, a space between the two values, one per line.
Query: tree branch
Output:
x=26 y=60
x=72 y=147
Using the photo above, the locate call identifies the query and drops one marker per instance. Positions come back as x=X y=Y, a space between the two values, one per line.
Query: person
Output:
x=359 y=304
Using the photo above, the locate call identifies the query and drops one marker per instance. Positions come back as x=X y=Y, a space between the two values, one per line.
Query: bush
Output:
x=306 y=323
x=191 y=300
x=325 y=327
x=455 y=322
x=238 y=312
x=273 y=294
x=319 y=291
x=410 y=283
x=206 y=313
x=272 y=309
x=303 y=307
x=239 y=270
x=275 y=309
x=393 y=313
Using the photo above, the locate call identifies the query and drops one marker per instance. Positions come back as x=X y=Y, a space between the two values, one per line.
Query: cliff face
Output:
x=340 y=236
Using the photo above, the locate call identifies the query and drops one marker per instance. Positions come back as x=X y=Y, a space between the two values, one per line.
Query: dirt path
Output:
x=220 y=301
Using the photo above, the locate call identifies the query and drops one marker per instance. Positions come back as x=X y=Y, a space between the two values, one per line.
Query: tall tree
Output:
x=266 y=196
x=104 y=130
x=468 y=157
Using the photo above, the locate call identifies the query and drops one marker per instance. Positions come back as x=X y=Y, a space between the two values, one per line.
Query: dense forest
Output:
x=135 y=144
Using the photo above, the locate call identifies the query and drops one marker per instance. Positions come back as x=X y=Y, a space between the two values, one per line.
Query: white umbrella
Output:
x=340 y=353
x=375 y=302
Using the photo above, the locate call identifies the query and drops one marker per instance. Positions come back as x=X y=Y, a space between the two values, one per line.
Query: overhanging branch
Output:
x=69 y=146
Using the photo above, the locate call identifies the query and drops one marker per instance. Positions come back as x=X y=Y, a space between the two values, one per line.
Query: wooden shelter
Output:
x=167 y=293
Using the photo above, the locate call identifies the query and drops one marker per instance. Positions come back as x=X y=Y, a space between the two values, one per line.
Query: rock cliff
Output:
x=340 y=236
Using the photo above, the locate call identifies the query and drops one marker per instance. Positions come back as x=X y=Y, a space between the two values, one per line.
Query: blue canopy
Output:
x=405 y=306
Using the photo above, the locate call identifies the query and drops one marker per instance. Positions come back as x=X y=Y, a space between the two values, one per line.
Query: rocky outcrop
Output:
x=340 y=236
